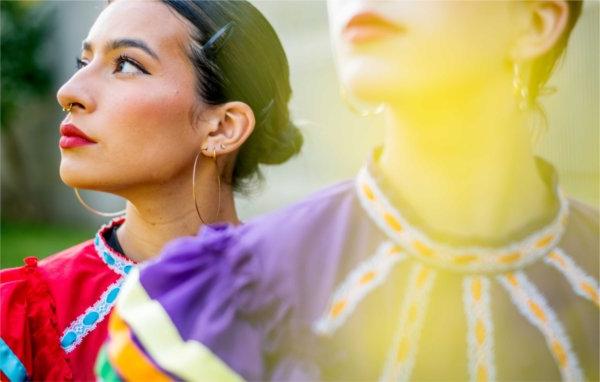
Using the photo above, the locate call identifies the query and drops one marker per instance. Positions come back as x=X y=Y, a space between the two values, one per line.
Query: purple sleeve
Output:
x=206 y=284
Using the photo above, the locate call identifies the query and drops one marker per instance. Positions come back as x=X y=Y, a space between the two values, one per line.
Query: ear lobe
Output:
x=547 y=22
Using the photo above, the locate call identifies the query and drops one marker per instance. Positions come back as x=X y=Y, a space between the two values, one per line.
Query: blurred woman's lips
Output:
x=71 y=136
x=366 y=27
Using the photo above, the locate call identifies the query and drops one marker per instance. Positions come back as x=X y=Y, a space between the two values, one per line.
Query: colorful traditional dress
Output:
x=344 y=286
x=53 y=311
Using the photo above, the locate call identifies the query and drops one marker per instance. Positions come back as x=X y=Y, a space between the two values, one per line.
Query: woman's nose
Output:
x=76 y=93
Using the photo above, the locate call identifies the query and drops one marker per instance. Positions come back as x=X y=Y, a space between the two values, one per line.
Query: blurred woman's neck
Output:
x=464 y=163
x=157 y=215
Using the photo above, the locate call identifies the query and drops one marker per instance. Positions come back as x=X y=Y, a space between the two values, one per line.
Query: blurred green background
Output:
x=39 y=43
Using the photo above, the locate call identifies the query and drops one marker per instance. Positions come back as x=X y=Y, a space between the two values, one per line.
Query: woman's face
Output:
x=398 y=50
x=133 y=98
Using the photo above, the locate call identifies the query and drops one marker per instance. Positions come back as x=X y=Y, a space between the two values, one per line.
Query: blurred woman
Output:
x=453 y=255
x=174 y=119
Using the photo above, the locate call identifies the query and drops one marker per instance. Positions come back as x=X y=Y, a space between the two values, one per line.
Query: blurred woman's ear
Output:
x=232 y=123
x=546 y=22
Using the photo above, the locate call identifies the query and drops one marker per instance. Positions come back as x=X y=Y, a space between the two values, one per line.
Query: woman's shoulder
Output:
x=230 y=283
x=56 y=264
x=29 y=331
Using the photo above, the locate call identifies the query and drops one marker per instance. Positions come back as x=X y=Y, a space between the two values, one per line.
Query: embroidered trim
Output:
x=114 y=260
x=11 y=365
x=368 y=275
x=402 y=354
x=582 y=284
x=467 y=259
x=533 y=306
x=480 y=334
x=86 y=322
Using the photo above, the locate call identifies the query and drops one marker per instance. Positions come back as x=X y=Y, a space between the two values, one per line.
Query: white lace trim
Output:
x=533 y=306
x=480 y=332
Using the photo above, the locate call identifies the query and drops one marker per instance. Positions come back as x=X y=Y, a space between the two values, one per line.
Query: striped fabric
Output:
x=160 y=353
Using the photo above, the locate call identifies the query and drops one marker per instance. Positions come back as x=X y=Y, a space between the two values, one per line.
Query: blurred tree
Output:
x=25 y=78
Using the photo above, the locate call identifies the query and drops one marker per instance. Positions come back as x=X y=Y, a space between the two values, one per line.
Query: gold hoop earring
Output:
x=214 y=157
x=360 y=111
x=520 y=89
x=68 y=108
x=95 y=211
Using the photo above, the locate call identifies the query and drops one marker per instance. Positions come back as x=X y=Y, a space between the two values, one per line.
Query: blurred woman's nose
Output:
x=76 y=93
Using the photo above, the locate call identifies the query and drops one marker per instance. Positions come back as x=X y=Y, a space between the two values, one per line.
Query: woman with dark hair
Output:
x=174 y=118
x=453 y=255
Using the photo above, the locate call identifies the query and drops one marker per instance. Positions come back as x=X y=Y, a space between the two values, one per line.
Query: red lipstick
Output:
x=368 y=27
x=71 y=136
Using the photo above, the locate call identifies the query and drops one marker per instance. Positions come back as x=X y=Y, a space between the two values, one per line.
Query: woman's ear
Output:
x=545 y=24
x=231 y=125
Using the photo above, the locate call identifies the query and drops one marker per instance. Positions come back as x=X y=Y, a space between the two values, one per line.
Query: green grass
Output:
x=21 y=240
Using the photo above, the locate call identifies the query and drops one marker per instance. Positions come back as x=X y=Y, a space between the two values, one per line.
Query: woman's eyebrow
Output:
x=123 y=43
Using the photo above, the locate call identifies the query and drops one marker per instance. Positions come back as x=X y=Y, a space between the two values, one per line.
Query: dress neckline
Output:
x=469 y=259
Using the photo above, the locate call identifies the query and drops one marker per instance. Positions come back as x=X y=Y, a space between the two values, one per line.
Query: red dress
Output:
x=53 y=312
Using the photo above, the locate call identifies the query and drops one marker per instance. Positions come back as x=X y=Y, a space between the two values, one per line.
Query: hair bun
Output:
x=281 y=144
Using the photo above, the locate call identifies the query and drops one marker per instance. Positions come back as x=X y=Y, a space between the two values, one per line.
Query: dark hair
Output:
x=238 y=57
x=543 y=66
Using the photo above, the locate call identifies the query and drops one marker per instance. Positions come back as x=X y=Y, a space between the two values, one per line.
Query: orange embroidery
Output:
x=423 y=249
x=368 y=192
x=558 y=258
x=402 y=350
x=481 y=373
x=587 y=288
x=480 y=332
x=512 y=279
x=537 y=310
x=464 y=259
x=544 y=241
x=476 y=289
x=510 y=258
x=367 y=277
x=422 y=277
x=392 y=222
x=393 y=251
x=412 y=313
x=559 y=353
x=338 y=307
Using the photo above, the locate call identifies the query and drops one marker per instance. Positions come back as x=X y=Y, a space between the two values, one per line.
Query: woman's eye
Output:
x=127 y=65
x=79 y=63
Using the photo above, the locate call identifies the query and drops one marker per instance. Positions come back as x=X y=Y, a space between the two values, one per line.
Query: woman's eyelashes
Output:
x=122 y=64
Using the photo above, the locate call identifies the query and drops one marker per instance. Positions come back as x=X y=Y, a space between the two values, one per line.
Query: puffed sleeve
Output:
x=193 y=314
x=29 y=343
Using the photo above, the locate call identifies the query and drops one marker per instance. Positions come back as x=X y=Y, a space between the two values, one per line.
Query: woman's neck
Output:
x=158 y=215
x=465 y=165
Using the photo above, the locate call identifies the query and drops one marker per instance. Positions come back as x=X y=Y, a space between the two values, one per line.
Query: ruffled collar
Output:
x=116 y=261
x=469 y=259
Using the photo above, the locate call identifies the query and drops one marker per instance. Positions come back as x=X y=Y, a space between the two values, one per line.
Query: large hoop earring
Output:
x=214 y=157
x=358 y=110
x=520 y=88
x=95 y=211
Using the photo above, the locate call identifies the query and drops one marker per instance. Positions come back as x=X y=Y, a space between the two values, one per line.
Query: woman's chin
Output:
x=77 y=177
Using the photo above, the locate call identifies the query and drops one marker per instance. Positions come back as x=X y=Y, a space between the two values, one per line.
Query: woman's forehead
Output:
x=149 y=21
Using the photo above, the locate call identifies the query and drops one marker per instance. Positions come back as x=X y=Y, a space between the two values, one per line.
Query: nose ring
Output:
x=68 y=108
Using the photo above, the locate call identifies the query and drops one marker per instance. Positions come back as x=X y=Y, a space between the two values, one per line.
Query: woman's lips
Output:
x=71 y=136
x=368 y=27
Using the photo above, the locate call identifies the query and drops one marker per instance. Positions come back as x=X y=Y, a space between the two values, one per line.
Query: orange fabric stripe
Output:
x=126 y=357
